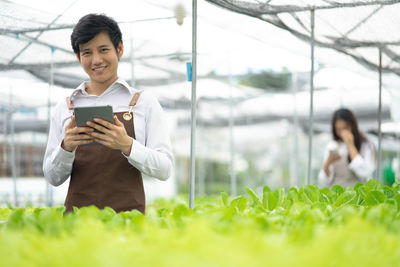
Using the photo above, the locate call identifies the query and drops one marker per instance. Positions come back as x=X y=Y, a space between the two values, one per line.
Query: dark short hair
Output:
x=92 y=24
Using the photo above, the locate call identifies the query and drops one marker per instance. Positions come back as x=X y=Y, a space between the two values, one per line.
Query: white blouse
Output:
x=151 y=152
x=362 y=166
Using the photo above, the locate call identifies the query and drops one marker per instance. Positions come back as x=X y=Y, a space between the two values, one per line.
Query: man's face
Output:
x=100 y=60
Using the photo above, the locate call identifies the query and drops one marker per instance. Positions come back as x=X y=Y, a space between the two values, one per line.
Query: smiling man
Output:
x=108 y=172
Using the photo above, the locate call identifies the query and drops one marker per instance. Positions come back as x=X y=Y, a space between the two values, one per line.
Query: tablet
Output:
x=84 y=114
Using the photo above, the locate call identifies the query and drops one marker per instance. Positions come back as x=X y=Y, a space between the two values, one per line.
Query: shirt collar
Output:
x=81 y=89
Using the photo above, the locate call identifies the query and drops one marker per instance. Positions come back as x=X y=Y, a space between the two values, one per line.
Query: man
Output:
x=107 y=173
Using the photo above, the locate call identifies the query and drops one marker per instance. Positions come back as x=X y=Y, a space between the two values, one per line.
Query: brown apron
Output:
x=103 y=177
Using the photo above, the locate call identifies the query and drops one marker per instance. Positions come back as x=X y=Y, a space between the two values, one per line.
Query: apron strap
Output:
x=134 y=99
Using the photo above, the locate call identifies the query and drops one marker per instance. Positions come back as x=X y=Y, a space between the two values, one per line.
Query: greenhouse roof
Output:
x=30 y=31
x=356 y=28
x=35 y=35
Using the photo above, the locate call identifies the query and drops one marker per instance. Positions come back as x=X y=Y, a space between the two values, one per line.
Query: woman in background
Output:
x=349 y=158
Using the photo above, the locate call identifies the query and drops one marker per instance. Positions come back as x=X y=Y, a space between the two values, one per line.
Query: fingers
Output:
x=80 y=142
x=101 y=125
x=79 y=130
x=347 y=133
x=71 y=123
x=99 y=136
x=71 y=127
x=78 y=137
x=99 y=128
x=75 y=136
x=104 y=123
x=104 y=143
x=84 y=130
x=74 y=144
x=73 y=140
x=117 y=121
x=108 y=134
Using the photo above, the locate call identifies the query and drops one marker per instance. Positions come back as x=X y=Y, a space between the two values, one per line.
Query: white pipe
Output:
x=378 y=168
x=310 y=134
x=231 y=137
x=12 y=148
x=193 y=114
x=295 y=181
x=49 y=188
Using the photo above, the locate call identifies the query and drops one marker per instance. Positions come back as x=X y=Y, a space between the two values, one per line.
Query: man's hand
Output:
x=75 y=136
x=113 y=136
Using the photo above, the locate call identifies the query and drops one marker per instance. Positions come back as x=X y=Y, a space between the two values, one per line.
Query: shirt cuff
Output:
x=65 y=156
x=356 y=162
x=138 y=152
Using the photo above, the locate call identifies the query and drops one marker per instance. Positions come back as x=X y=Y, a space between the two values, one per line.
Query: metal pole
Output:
x=378 y=169
x=12 y=148
x=5 y=148
x=201 y=176
x=193 y=115
x=295 y=166
x=49 y=188
x=310 y=135
x=201 y=161
x=231 y=140
x=398 y=157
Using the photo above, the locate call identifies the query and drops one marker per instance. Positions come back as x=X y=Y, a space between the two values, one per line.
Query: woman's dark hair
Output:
x=92 y=24
x=347 y=116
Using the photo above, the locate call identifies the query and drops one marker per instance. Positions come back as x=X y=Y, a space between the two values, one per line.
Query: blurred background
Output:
x=253 y=87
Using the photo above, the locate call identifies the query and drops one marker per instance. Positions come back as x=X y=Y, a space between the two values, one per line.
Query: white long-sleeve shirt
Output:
x=361 y=167
x=151 y=151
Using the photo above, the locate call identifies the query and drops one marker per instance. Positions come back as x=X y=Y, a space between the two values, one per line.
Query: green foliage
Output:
x=357 y=226
x=5 y=213
x=224 y=197
x=267 y=80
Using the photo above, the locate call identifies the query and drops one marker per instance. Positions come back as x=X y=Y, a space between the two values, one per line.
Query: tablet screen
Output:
x=84 y=114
